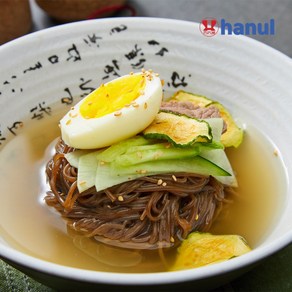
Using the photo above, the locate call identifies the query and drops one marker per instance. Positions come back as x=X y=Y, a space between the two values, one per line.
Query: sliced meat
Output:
x=189 y=109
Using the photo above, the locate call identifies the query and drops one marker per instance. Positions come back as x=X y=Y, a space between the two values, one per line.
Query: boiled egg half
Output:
x=115 y=111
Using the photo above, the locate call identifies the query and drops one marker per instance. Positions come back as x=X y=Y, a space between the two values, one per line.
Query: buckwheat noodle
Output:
x=147 y=213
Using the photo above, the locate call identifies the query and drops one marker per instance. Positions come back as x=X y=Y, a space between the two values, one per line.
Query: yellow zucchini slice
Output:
x=234 y=135
x=199 y=100
x=201 y=249
x=180 y=130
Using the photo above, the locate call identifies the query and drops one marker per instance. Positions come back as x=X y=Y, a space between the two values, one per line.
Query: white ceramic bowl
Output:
x=253 y=80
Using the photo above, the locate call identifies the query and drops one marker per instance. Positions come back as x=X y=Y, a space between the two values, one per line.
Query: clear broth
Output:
x=32 y=227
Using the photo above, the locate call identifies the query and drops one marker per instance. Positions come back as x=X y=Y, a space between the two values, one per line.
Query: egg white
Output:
x=81 y=133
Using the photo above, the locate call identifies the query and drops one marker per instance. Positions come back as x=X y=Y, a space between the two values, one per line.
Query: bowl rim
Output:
x=33 y=263
x=168 y=277
x=159 y=20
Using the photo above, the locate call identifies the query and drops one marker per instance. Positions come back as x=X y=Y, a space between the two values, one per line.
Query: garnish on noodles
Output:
x=133 y=171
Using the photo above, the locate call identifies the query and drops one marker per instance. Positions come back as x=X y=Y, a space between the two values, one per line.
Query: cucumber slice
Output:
x=137 y=157
x=117 y=149
x=216 y=125
x=179 y=130
x=196 y=164
x=87 y=170
x=74 y=156
x=218 y=157
x=110 y=174
x=147 y=147
x=105 y=179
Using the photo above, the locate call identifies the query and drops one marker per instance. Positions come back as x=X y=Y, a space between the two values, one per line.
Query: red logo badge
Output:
x=208 y=27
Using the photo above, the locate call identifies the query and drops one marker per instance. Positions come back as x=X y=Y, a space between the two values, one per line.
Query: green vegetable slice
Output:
x=142 y=156
x=110 y=174
x=87 y=170
x=180 y=130
x=219 y=157
x=201 y=249
x=216 y=125
x=195 y=164
x=119 y=148
x=74 y=156
x=105 y=178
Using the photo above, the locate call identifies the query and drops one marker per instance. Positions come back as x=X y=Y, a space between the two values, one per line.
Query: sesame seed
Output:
x=275 y=152
x=162 y=82
x=117 y=114
x=145 y=105
x=171 y=239
x=157 y=155
x=149 y=77
x=150 y=70
x=159 y=182
x=73 y=115
x=164 y=184
x=83 y=182
x=68 y=122
x=156 y=74
x=127 y=105
x=120 y=198
x=142 y=92
x=174 y=177
x=135 y=105
x=131 y=73
x=72 y=108
x=90 y=103
x=143 y=70
x=197 y=217
x=141 y=171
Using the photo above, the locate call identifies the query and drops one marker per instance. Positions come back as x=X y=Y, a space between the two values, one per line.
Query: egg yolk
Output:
x=113 y=96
